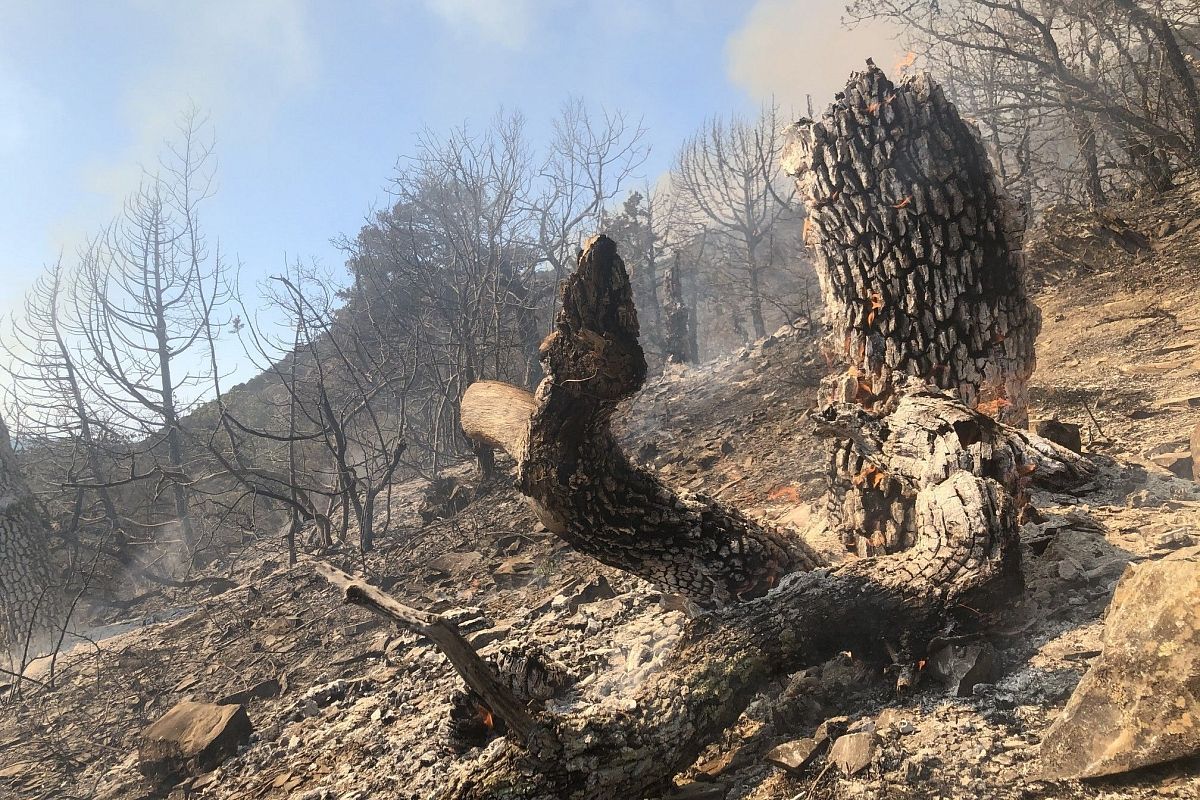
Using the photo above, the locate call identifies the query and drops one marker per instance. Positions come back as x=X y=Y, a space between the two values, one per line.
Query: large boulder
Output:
x=1139 y=704
x=192 y=738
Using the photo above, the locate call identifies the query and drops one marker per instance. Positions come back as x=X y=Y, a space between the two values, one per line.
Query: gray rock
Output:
x=488 y=636
x=961 y=667
x=853 y=752
x=795 y=756
x=1066 y=434
x=1139 y=703
x=192 y=738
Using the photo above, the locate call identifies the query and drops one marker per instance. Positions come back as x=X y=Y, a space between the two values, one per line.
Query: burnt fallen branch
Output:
x=475 y=672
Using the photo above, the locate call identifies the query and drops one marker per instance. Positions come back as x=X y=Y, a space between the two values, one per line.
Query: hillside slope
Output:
x=349 y=709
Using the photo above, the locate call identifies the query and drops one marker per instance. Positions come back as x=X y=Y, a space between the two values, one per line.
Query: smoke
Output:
x=787 y=49
x=237 y=61
x=510 y=24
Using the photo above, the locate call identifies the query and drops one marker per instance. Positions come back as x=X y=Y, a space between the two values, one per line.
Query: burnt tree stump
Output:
x=918 y=252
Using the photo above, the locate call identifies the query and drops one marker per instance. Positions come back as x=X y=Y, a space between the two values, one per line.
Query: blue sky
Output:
x=313 y=102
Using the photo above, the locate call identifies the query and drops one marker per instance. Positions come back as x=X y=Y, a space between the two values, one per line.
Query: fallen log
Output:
x=965 y=561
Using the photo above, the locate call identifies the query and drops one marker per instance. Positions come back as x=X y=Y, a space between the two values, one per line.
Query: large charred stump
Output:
x=918 y=254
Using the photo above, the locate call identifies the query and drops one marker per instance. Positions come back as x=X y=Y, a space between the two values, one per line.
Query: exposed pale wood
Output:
x=497 y=414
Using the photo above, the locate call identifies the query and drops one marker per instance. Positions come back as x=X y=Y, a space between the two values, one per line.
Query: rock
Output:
x=960 y=667
x=1179 y=463
x=513 y=573
x=263 y=690
x=831 y=728
x=488 y=636
x=192 y=738
x=893 y=719
x=1139 y=703
x=1067 y=434
x=1195 y=449
x=728 y=761
x=853 y=752
x=595 y=590
x=796 y=756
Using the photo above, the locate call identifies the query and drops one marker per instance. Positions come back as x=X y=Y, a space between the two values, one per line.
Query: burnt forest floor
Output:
x=344 y=707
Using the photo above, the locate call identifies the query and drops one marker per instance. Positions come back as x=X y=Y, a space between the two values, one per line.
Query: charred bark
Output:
x=917 y=301
x=962 y=472
x=580 y=482
x=917 y=246
x=918 y=253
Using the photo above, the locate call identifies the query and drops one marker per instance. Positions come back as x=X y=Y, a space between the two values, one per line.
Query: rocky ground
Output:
x=342 y=706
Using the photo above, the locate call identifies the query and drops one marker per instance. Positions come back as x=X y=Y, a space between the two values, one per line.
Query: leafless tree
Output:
x=727 y=178
x=151 y=289
x=592 y=156
x=1119 y=75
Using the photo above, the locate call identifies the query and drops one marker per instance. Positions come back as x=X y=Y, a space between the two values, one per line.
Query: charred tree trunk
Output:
x=29 y=600
x=676 y=337
x=917 y=247
x=918 y=254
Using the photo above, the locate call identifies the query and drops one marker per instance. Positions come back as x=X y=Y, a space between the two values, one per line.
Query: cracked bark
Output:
x=582 y=485
x=917 y=246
